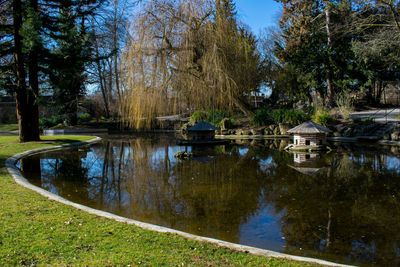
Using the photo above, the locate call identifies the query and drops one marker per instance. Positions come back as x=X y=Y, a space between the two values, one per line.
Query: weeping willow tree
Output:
x=187 y=54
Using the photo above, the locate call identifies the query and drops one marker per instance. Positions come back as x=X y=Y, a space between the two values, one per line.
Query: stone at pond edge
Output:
x=284 y=127
x=226 y=124
x=186 y=126
x=395 y=136
x=336 y=134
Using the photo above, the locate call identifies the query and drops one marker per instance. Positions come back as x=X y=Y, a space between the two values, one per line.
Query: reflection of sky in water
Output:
x=158 y=154
x=264 y=225
x=235 y=193
x=393 y=164
x=243 y=151
x=390 y=163
x=265 y=163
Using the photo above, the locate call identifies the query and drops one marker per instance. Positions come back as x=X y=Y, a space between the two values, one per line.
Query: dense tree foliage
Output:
x=42 y=40
x=74 y=50
x=175 y=56
x=329 y=47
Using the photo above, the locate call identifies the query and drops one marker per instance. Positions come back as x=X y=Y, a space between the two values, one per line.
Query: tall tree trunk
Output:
x=28 y=130
x=328 y=63
x=115 y=41
x=33 y=93
x=101 y=79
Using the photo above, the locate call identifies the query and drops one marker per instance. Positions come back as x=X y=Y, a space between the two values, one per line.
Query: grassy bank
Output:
x=38 y=231
x=8 y=127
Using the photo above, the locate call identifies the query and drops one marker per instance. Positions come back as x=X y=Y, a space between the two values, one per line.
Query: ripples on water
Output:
x=342 y=206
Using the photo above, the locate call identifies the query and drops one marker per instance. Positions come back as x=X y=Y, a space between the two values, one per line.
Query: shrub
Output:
x=198 y=116
x=50 y=122
x=261 y=117
x=291 y=116
x=85 y=117
x=219 y=115
x=345 y=105
x=59 y=126
x=208 y=116
x=322 y=117
x=265 y=116
x=369 y=119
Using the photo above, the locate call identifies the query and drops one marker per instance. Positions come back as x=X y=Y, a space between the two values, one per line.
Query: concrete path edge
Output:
x=19 y=179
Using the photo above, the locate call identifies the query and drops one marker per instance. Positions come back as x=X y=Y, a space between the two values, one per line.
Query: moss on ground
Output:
x=39 y=231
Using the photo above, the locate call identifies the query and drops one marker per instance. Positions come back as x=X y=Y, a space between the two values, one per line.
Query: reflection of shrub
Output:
x=85 y=117
x=265 y=116
x=322 y=117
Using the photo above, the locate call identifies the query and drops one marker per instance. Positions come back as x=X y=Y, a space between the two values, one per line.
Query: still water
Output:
x=343 y=206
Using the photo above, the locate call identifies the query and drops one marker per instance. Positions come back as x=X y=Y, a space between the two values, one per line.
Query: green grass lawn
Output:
x=8 y=127
x=38 y=231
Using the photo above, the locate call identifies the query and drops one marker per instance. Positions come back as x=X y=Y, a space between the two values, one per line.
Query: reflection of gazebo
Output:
x=309 y=136
x=308 y=163
x=308 y=170
x=303 y=157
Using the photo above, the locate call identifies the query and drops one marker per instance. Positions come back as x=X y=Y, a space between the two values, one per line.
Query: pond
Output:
x=342 y=206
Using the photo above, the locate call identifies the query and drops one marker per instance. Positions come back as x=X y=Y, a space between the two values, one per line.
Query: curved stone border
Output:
x=17 y=175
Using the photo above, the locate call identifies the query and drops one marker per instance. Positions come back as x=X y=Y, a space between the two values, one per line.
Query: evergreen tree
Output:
x=73 y=50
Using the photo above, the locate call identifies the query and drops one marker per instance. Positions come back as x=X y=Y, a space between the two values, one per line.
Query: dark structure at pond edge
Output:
x=309 y=136
x=202 y=133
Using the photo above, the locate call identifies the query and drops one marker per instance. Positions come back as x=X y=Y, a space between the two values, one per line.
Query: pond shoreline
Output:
x=15 y=172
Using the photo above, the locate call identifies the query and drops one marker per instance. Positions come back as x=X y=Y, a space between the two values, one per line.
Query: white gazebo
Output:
x=309 y=136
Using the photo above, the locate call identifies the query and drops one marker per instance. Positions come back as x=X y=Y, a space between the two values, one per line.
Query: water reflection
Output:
x=342 y=206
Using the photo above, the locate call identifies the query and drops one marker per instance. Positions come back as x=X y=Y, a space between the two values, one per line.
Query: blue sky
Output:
x=258 y=14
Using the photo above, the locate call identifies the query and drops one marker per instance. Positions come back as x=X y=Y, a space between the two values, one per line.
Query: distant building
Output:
x=309 y=135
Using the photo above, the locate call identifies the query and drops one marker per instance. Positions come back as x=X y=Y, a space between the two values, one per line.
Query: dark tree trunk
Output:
x=101 y=80
x=378 y=92
x=33 y=93
x=28 y=130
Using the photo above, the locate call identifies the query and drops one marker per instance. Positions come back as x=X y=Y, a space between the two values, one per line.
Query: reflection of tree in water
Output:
x=205 y=198
x=349 y=212
x=61 y=173
x=352 y=211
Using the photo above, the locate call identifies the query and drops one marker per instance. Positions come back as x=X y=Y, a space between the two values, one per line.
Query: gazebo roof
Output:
x=309 y=127
x=202 y=126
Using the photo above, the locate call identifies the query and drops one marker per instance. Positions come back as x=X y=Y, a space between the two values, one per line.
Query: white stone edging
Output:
x=19 y=179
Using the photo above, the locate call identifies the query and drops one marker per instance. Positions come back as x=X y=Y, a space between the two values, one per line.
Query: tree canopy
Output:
x=185 y=55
